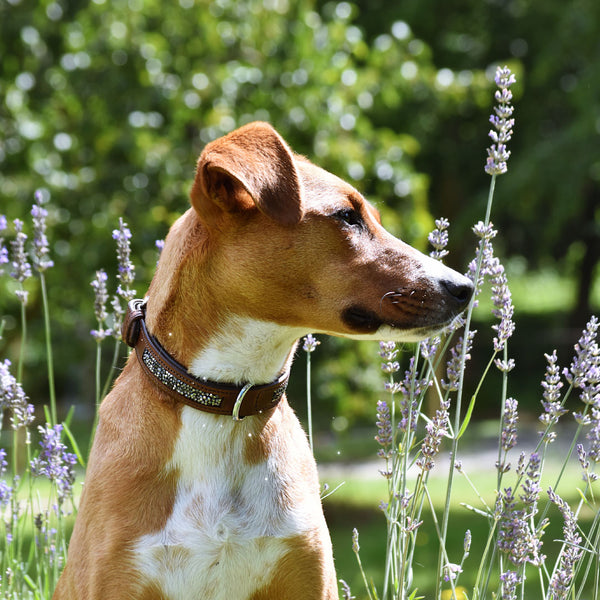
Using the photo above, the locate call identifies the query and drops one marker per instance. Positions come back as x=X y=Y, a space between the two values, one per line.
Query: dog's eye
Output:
x=350 y=217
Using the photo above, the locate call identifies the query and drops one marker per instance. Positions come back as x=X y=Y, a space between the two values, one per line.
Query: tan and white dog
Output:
x=181 y=501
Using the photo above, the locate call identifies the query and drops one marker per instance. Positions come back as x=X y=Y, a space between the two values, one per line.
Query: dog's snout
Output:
x=460 y=289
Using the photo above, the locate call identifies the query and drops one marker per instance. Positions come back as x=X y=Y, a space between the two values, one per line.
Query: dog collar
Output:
x=174 y=379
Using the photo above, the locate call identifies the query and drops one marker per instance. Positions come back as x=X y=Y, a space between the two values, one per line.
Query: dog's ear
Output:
x=251 y=165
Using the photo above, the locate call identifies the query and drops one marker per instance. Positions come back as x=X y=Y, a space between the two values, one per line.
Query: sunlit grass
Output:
x=355 y=502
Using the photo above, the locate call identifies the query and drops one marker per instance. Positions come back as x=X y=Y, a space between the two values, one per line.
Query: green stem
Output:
x=309 y=402
x=23 y=342
x=501 y=425
x=107 y=382
x=454 y=449
x=110 y=376
x=98 y=374
x=49 y=361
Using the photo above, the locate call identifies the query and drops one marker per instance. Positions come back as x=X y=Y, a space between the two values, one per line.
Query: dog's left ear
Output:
x=251 y=165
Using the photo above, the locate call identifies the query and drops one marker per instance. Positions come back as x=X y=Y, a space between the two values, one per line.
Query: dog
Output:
x=200 y=482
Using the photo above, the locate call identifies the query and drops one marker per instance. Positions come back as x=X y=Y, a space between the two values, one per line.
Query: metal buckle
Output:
x=238 y=402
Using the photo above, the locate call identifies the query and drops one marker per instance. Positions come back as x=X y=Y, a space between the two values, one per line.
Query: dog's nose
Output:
x=460 y=289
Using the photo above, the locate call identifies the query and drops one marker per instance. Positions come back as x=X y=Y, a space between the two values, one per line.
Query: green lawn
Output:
x=355 y=504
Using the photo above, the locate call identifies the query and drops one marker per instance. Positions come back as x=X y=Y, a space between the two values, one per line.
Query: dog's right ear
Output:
x=251 y=166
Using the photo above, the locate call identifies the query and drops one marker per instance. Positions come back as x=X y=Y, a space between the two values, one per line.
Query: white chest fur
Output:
x=230 y=519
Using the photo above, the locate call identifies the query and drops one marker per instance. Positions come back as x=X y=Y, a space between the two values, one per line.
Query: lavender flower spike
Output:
x=552 y=385
x=54 y=462
x=126 y=268
x=40 y=241
x=384 y=435
x=510 y=580
x=438 y=238
x=509 y=424
x=100 y=299
x=310 y=343
x=436 y=430
x=12 y=396
x=503 y=123
x=20 y=264
x=3 y=248
x=560 y=582
x=586 y=357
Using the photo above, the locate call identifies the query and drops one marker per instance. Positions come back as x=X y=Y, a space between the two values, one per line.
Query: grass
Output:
x=355 y=502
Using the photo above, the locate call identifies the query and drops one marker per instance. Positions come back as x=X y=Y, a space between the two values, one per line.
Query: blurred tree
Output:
x=549 y=206
x=106 y=105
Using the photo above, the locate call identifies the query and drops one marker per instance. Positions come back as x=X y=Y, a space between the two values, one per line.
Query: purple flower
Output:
x=436 y=430
x=516 y=537
x=20 y=264
x=346 y=592
x=100 y=299
x=126 y=268
x=552 y=385
x=12 y=396
x=509 y=424
x=3 y=248
x=310 y=343
x=454 y=366
x=490 y=266
x=467 y=542
x=387 y=351
x=355 y=546
x=505 y=366
x=384 y=435
x=54 y=462
x=451 y=571
x=5 y=489
x=560 y=582
x=510 y=580
x=503 y=307
x=585 y=465
x=429 y=347
x=160 y=244
x=531 y=486
x=503 y=123
x=587 y=355
x=40 y=241
x=438 y=238
x=411 y=389
x=484 y=254
x=593 y=435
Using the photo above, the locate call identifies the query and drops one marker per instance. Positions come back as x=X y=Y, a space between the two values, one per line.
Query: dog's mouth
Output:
x=361 y=320
x=366 y=322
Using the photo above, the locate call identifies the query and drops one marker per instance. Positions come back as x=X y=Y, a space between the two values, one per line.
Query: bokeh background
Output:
x=105 y=106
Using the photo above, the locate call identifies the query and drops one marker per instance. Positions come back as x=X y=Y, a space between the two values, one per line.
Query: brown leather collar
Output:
x=174 y=379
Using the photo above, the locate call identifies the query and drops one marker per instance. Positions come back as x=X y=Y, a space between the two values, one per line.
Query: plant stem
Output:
x=23 y=343
x=454 y=450
x=49 y=359
x=309 y=402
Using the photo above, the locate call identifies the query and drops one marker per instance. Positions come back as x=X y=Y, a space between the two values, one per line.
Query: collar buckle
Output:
x=174 y=379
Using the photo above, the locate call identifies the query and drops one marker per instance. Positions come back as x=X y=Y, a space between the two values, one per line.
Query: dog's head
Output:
x=284 y=241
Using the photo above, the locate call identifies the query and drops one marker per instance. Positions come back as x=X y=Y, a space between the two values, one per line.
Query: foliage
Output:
x=518 y=517
x=548 y=210
x=107 y=105
x=103 y=107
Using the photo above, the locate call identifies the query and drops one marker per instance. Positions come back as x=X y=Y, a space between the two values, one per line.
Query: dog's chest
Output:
x=230 y=519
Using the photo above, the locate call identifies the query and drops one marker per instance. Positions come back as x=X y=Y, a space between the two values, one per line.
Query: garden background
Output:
x=105 y=106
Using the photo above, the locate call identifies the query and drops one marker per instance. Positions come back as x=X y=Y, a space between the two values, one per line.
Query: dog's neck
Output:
x=244 y=350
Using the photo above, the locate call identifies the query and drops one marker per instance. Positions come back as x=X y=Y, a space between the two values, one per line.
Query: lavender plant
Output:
x=36 y=480
x=519 y=516
x=309 y=345
x=35 y=485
